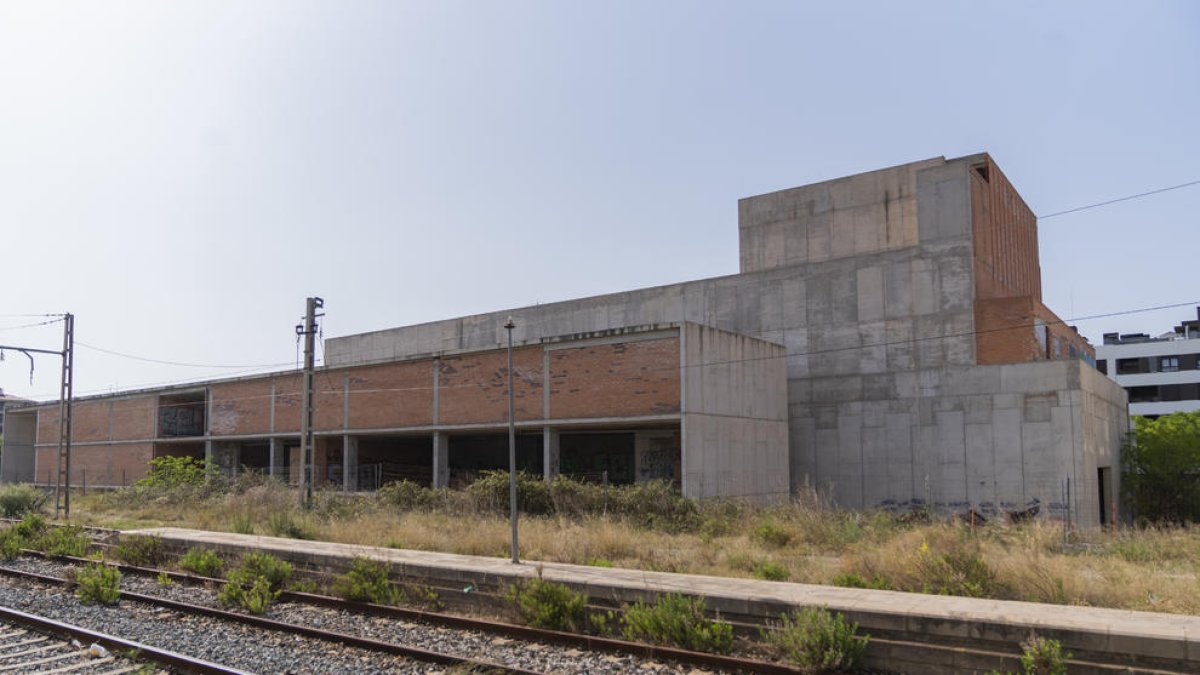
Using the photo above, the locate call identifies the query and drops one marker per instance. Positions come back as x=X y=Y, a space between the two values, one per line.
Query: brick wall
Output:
x=474 y=387
x=1006 y=333
x=241 y=407
x=399 y=394
x=1005 y=238
x=613 y=380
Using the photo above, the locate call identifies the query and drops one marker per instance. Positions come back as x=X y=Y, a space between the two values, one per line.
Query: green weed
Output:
x=98 y=584
x=676 y=620
x=815 y=638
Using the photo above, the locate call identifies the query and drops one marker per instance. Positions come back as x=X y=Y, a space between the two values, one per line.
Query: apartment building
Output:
x=1161 y=374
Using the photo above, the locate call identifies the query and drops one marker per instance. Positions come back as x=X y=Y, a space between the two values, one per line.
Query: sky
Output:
x=182 y=175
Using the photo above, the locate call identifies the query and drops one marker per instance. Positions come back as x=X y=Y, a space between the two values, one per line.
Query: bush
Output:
x=491 y=493
x=69 y=540
x=242 y=523
x=409 y=496
x=266 y=566
x=175 y=473
x=658 y=505
x=18 y=500
x=31 y=527
x=549 y=605
x=11 y=544
x=282 y=525
x=253 y=585
x=855 y=580
x=1041 y=656
x=367 y=581
x=817 y=639
x=254 y=599
x=98 y=584
x=202 y=561
x=770 y=571
x=772 y=534
x=676 y=620
x=959 y=571
x=141 y=551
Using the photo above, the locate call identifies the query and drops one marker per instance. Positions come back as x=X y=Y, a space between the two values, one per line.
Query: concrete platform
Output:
x=1145 y=641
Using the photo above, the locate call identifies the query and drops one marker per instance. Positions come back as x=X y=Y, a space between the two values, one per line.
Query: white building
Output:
x=1162 y=374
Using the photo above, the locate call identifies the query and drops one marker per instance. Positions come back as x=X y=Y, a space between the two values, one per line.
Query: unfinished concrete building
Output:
x=884 y=340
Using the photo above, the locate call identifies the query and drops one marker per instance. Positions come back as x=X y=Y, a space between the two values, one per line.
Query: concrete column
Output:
x=277 y=460
x=209 y=459
x=350 y=463
x=549 y=452
x=441 y=460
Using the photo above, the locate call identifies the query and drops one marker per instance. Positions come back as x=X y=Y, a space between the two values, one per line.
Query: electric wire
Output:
x=1118 y=200
x=327 y=371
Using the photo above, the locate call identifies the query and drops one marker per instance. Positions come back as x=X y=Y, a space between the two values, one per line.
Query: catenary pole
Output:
x=309 y=330
x=62 y=487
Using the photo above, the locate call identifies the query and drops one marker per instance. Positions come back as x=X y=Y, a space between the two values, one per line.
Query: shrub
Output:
x=31 y=527
x=959 y=571
x=770 y=571
x=408 y=496
x=266 y=566
x=242 y=523
x=141 y=551
x=491 y=493
x=255 y=583
x=254 y=599
x=817 y=639
x=18 y=500
x=772 y=534
x=174 y=473
x=11 y=544
x=69 y=540
x=546 y=604
x=367 y=581
x=164 y=579
x=1042 y=656
x=676 y=620
x=98 y=584
x=657 y=505
x=575 y=498
x=855 y=580
x=202 y=561
x=282 y=525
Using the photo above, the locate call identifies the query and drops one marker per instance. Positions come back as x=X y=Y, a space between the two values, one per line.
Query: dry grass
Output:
x=1152 y=569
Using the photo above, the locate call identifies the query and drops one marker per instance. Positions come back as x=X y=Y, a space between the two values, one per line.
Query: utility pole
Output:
x=62 y=489
x=309 y=331
x=512 y=447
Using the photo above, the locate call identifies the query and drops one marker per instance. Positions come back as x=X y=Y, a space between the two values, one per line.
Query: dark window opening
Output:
x=472 y=455
x=1130 y=366
x=982 y=170
x=386 y=459
x=589 y=456
x=1168 y=364
x=1102 y=365
x=1143 y=394
x=181 y=415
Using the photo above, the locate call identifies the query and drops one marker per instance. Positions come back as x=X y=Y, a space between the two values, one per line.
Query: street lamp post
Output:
x=512 y=446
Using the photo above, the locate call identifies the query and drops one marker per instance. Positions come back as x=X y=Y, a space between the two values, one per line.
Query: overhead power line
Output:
x=178 y=363
x=1119 y=199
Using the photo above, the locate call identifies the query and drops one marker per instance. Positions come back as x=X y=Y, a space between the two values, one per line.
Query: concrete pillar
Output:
x=209 y=459
x=277 y=460
x=549 y=452
x=441 y=460
x=350 y=463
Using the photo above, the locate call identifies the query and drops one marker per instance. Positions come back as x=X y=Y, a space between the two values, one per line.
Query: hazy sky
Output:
x=181 y=175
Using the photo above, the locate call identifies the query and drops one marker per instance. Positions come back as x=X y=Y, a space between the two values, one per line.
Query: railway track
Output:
x=36 y=644
x=296 y=614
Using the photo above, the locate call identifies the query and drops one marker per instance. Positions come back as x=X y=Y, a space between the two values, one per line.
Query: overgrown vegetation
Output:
x=817 y=639
x=202 y=561
x=141 y=551
x=1160 y=468
x=19 y=499
x=68 y=540
x=367 y=581
x=651 y=527
x=548 y=604
x=255 y=583
x=98 y=584
x=677 y=620
x=1042 y=656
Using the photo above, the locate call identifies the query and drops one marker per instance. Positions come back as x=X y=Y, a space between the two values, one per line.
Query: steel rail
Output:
x=424 y=655
x=174 y=660
x=588 y=642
